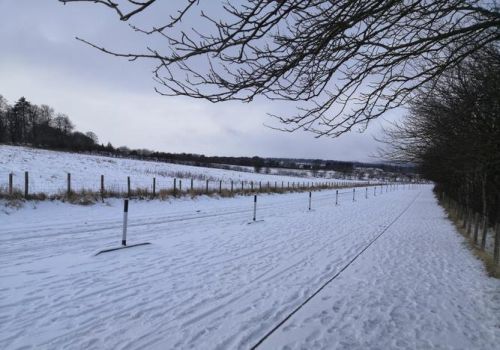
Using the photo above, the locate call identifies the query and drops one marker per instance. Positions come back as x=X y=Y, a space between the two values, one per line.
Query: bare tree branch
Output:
x=342 y=63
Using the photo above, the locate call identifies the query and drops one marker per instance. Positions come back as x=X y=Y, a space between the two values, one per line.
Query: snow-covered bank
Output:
x=48 y=172
x=210 y=280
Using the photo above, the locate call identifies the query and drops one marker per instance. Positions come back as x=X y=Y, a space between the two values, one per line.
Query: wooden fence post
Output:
x=26 y=184
x=191 y=185
x=128 y=186
x=206 y=187
x=175 y=187
x=180 y=187
x=220 y=186
x=231 y=186
x=102 y=187
x=154 y=187
x=11 y=184
x=69 y=184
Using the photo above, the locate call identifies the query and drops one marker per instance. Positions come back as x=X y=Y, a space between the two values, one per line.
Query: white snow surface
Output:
x=211 y=280
x=48 y=172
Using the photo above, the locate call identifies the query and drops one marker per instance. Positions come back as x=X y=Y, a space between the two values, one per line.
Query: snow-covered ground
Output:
x=48 y=172
x=210 y=280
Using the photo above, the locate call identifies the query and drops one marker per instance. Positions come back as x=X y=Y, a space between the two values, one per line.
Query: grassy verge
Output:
x=88 y=197
x=492 y=269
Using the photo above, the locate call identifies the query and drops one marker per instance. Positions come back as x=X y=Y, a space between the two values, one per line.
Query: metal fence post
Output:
x=254 y=207
x=125 y=219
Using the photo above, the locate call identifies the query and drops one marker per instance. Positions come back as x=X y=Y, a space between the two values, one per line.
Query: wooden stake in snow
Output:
x=26 y=184
x=11 y=184
x=366 y=193
x=353 y=194
x=69 y=184
x=154 y=187
x=310 y=195
x=102 y=187
x=337 y=197
x=128 y=186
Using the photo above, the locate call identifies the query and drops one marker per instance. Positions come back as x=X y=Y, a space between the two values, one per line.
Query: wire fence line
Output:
x=35 y=186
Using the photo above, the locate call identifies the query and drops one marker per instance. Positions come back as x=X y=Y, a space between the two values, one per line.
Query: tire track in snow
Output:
x=269 y=333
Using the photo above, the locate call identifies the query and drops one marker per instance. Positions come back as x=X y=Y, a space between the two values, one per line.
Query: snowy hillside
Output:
x=48 y=172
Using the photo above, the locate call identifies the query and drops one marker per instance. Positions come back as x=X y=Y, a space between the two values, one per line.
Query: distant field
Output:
x=48 y=172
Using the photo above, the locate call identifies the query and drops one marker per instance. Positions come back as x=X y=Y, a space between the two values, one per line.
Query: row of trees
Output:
x=27 y=123
x=453 y=133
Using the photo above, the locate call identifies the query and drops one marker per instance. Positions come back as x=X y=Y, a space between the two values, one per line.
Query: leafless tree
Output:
x=63 y=123
x=341 y=63
x=93 y=136
x=453 y=133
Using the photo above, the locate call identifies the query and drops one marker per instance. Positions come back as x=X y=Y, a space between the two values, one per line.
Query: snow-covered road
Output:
x=210 y=280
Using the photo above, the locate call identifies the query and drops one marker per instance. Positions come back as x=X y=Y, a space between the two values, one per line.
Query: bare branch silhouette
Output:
x=341 y=63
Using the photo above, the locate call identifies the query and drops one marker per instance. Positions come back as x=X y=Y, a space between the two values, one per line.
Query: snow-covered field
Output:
x=399 y=276
x=48 y=172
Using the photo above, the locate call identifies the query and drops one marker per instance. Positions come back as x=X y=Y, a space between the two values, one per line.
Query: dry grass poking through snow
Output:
x=487 y=259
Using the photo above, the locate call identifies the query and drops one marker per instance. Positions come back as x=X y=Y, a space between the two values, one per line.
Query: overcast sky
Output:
x=41 y=60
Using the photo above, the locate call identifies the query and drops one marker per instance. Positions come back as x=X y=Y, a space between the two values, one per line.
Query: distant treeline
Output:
x=25 y=123
x=28 y=124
